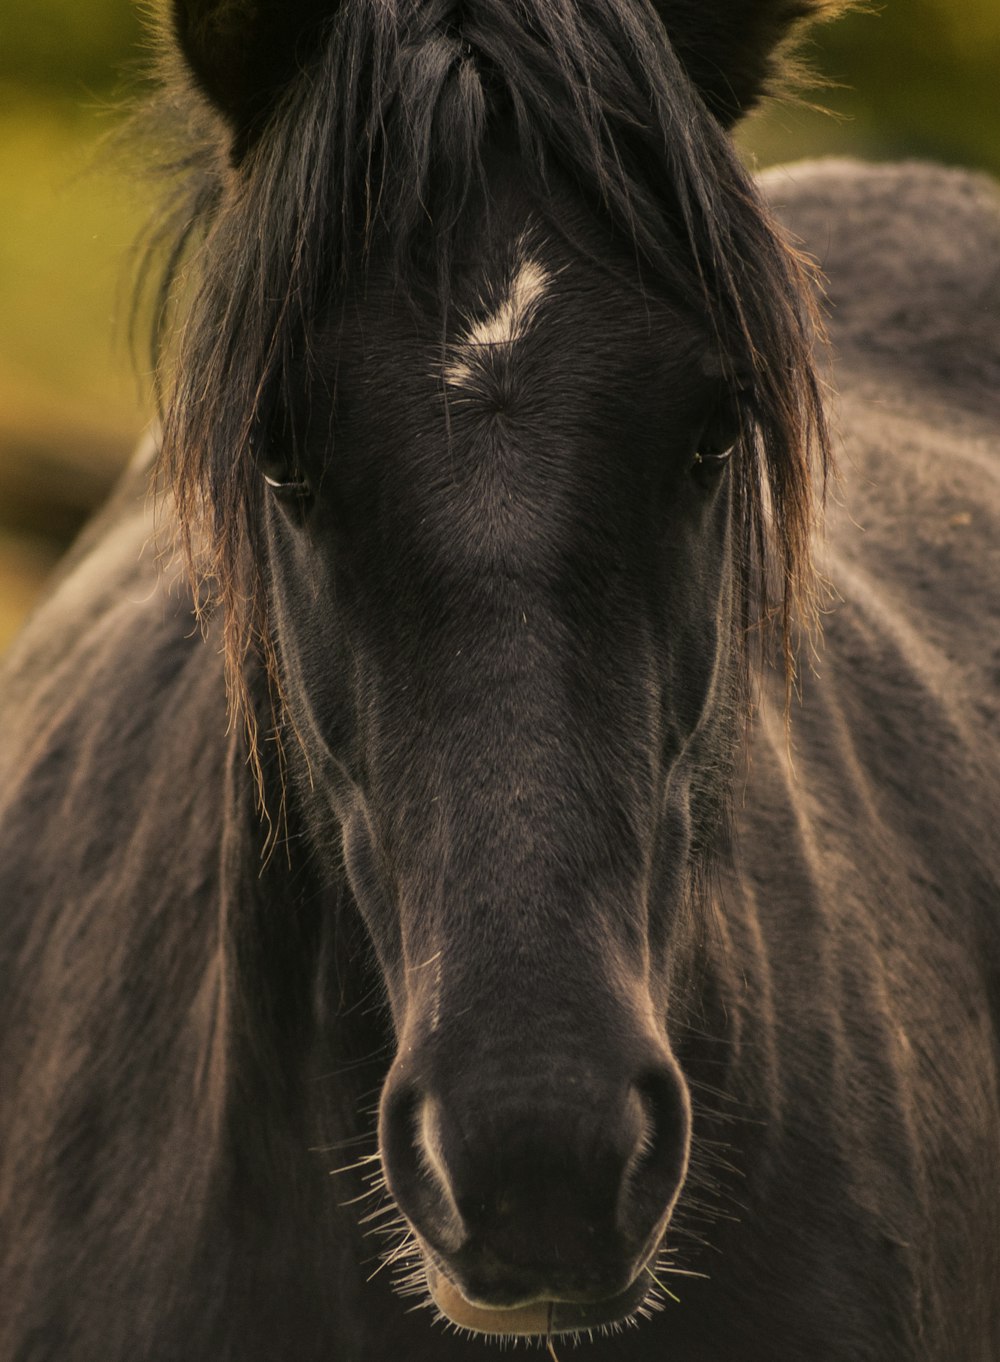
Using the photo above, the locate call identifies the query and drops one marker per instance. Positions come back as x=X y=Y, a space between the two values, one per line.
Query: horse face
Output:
x=501 y=600
x=505 y=555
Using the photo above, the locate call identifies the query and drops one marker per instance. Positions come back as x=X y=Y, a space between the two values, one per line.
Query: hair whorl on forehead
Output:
x=381 y=136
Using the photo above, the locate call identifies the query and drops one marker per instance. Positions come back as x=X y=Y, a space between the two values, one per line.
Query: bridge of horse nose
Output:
x=561 y=1199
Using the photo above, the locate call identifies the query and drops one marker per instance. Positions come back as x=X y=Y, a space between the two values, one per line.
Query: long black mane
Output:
x=380 y=138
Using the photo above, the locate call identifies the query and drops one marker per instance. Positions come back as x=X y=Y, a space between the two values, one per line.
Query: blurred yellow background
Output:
x=913 y=78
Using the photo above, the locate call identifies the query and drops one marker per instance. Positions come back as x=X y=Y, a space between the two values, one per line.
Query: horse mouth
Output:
x=540 y=1318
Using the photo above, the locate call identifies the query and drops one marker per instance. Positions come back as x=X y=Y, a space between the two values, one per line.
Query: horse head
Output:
x=497 y=393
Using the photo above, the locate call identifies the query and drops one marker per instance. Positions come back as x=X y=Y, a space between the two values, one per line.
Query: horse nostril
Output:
x=409 y=1134
x=655 y=1172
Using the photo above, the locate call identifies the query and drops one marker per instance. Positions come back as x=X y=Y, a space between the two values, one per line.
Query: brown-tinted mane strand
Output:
x=382 y=137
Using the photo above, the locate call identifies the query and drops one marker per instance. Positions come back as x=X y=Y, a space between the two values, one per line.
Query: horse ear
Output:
x=733 y=49
x=243 y=53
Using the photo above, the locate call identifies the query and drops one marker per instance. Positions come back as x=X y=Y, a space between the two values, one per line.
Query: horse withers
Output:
x=471 y=931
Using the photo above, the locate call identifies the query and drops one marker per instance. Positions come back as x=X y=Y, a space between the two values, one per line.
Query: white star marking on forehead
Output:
x=480 y=357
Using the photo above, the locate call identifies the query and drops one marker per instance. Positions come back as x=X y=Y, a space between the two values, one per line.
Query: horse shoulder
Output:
x=112 y=764
x=910 y=255
x=101 y=693
x=867 y=872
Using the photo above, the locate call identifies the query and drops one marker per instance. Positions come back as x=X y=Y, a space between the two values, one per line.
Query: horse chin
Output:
x=538 y=1318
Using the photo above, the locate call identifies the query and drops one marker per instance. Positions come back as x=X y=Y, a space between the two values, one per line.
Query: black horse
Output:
x=480 y=847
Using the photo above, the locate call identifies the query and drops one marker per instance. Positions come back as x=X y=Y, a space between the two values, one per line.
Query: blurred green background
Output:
x=912 y=78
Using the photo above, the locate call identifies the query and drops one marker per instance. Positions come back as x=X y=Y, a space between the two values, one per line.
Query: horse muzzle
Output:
x=538 y=1203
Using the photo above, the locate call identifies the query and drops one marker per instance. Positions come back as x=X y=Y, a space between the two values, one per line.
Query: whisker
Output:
x=365 y=1162
x=548 y=1338
x=394 y=1255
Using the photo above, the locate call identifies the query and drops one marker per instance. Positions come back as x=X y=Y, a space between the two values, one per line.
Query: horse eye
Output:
x=283 y=476
x=286 y=481
x=716 y=446
x=706 y=465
